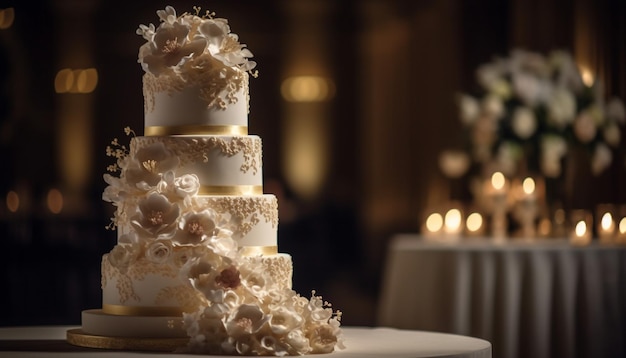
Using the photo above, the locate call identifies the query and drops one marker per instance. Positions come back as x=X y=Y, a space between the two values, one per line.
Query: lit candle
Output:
x=581 y=234
x=621 y=231
x=433 y=225
x=452 y=222
x=499 y=205
x=606 y=227
x=498 y=181
x=474 y=224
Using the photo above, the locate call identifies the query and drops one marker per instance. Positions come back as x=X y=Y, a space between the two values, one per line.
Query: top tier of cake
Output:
x=196 y=80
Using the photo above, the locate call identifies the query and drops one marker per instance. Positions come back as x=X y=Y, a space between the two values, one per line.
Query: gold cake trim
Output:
x=231 y=190
x=161 y=131
x=259 y=250
x=79 y=338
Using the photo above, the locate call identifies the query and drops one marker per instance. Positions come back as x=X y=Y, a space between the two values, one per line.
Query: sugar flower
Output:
x=149 y=164
x=156 y=217
x=195 y=227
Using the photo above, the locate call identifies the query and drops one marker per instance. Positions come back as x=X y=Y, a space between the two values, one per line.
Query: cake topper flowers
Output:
x=189 y=41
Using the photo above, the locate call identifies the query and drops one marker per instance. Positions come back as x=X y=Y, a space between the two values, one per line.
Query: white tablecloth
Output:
x=49 y=342
x=540 y=299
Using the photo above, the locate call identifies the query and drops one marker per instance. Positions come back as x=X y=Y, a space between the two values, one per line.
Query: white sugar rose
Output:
x=284 y=320
x=121 y=256
x=298 y=341
x=272 y=346
x=149 y=164
x=524 y=122
x=156 y=217
x=187 y=185
x=323 y=339
x=159 y=251
x=195 y=227
x=246 y=320
x=169 y=45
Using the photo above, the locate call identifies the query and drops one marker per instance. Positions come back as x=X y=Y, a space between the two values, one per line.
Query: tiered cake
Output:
x=197 y=262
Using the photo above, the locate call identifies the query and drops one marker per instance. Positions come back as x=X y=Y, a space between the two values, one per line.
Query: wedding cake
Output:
x=196 y=266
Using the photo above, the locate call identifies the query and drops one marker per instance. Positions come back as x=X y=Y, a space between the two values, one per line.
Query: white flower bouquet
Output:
x=533 y=110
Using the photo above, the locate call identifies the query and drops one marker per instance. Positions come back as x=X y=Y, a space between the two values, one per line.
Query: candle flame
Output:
x=622 y=226
x=498 y=180
x=528 y=186
x=606 y=221
x=581 y=228
x=453 y=219
x=434 y=222
x=474 y=222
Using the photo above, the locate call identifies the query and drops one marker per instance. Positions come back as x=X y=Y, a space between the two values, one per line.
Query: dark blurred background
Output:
x=350 y=168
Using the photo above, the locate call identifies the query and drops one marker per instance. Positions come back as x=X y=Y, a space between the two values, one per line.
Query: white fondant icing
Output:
x=186 y=107
x=216 y=160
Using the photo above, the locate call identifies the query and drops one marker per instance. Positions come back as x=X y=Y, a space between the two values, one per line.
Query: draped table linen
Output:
x=529 y=299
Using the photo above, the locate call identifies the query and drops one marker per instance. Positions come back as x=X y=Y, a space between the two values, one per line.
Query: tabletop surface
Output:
x=359 y=341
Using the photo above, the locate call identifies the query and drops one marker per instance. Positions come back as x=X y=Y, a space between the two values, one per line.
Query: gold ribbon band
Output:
x=259 y=250
x=150 y=131
x=120 y=310
x=231 y=190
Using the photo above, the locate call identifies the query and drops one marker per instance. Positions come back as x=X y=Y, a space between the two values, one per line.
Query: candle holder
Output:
x=526 y=208
x=605 y=223
x=580 y=234
x=496 y=201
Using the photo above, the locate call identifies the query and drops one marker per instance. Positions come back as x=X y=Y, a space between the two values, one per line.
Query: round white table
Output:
x=360 y=342
x=537 y=299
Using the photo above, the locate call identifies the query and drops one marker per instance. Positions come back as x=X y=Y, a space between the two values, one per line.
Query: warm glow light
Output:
x=307 y=89
x=453 y=219
x=622 y=226
x=6 y=18
x=13 y=201
x=586 y=75
x=63 y=80
x=606 y=222
x=580 y=229
x=55 y=201
x=528 y=185
x=76 y=81
x=498 y=180
x=87 y=80
x=434 y=222
x=474 y=222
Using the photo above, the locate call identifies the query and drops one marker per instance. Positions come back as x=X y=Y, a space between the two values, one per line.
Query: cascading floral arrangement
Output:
x=241 y=309
x=533 y=109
